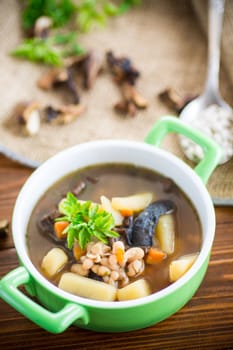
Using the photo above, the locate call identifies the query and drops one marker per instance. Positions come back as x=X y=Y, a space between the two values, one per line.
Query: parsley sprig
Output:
x=51 y=50
x=86 y=221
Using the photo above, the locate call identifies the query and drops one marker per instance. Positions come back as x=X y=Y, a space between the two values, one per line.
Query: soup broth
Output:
x=118 y=180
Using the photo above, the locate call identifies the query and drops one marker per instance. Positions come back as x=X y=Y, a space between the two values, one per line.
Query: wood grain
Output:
x=206 y=322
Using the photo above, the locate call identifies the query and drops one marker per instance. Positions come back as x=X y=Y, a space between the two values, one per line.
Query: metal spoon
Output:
x=211 y=95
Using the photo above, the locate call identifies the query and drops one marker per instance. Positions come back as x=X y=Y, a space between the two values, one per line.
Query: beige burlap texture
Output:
x=166 y=43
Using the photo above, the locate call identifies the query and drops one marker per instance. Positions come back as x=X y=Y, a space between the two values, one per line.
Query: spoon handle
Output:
x=215 y=19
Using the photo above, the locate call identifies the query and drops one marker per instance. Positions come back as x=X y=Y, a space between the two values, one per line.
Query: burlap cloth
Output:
x=167 y=44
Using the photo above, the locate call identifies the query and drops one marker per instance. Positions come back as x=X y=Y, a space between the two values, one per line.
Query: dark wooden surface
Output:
x=206 y=322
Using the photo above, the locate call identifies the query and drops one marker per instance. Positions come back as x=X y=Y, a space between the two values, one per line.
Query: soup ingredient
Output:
x=77 y=251
x=180 y=266
x=217 y=123
x=106 y=205
x=125 y=75
x=54 y=261
x=165 y=233
x=86 y=287
x=59 y=228
x=135 y=202
x=134 y=290
x=86 y=221
x=4 y=228
x=155 y=255
x=174 y=100
x=27 y=118
x=63 y=114
x=62 y=77
x=114 y=264
x=91 y=67
x=142 y=231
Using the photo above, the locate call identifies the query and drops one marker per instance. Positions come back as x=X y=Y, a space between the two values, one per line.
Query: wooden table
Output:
x=206 y=322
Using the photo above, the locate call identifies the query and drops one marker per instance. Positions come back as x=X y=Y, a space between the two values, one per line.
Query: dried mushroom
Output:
x=125 y=74
x=4 y=228
x=64 y=114
x=88 y=66
x=122 y=68
x=56 y=77
x=42 y=27
x=174 y=100
x=27 y=116
x=92 y=66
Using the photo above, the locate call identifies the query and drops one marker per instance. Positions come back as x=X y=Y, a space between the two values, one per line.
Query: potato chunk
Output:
x=107 y=206
x=86 y=287
x=53 y=261
x=135 y=202
x=180 y=266
x=165 y=232
x=135 y=290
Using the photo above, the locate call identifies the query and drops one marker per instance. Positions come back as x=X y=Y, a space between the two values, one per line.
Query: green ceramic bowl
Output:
x=60 y=309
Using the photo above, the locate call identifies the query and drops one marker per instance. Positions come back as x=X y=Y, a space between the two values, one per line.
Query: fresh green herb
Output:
x=38 y=50
x=86 y=221
x=49 y=51
x=60 y=11
x=91 y=12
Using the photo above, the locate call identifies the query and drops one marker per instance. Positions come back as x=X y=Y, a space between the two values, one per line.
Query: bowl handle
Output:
x=212 y=152
x=55 y=322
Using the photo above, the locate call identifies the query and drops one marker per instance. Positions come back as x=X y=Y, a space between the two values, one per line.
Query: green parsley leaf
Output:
x=38 y=50
x=60 y=11
x=86 y=221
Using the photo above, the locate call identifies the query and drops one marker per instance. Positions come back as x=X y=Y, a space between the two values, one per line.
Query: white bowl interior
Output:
x=112 y=151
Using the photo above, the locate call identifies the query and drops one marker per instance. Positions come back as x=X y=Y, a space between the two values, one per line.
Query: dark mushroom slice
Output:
x=64 y=114
x=175 y=101
x=142 y=231
x=79 y=188
x=91 y=67
x=122 y=68
x=60 y=77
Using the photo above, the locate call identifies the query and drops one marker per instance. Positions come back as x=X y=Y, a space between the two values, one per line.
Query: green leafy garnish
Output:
x=38 y=50
x=88 y=12
x=86 y=221
x=91 y=12
x=51 y=50
x=60 y=11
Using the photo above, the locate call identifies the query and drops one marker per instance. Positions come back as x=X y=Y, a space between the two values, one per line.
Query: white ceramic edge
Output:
x=206 y=203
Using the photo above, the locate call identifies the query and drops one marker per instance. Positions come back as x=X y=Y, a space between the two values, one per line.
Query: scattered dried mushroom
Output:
x=4 y=228
x=173 y=100
x=64 y=114
x=63 y=77
x=27 y=116
x=125 y=74
x=88 y=66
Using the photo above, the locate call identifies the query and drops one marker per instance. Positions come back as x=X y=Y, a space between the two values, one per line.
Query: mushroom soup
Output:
x=114 y=232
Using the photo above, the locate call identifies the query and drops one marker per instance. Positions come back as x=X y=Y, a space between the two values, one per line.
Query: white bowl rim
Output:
x=203 y=254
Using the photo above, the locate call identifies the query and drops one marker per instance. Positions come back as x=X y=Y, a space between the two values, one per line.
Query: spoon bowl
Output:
x=209 y=112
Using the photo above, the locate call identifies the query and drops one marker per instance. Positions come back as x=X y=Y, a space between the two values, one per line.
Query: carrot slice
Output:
x=59 y=227
x=126 y=212
x=154 y=256
x=119 y=255
x=77 y=251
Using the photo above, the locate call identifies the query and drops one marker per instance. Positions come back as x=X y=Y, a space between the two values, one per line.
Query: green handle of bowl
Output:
x=212 y=152
x=55 y=322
